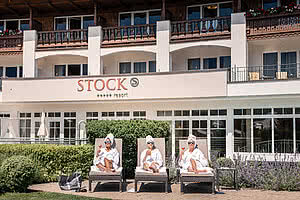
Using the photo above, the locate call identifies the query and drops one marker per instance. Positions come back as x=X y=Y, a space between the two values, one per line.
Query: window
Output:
x=17 y=24
x=54 y=114
x=262 y=133
x=69 y=127
x=139 y=17
x=123 y=114
x=262 y=111
x=225 y=61
x=152 y=66
x=270 y=62
x=139 y=115
x=218 y=112
x=181 y=132
x=11 y=72
x=297 y=135
x=125 y=68
x=194 y=64
x=25 y=125
x=199 y=112
x=73 y=70
x=209 y=11
x=267 y=4
x=60 y=70
x=225 y=9
x=1 y=72
x=283 y=111
x=73 y=22
x=54 y=132
x=37 y=115
x=91 y=116
x=218 y=136
x=194 y=13
x=242 y=112
x=283 y=133
x=36 y=129
x=181 y=113
x=199 y=128
x=242 y=135
x=20 y=71
x=289 y=64
x=210 y=63
x=139 y=67
x=84 y=69
x=108 y=114
x=166 y=113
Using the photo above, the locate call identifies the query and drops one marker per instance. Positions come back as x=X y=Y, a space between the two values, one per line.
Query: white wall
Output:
x=111 y=61
x=258 y=47
x=46 y=65
x=180 y=57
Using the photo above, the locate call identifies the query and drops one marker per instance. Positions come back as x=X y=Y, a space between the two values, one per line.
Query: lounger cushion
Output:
x=96 y=172
x=139 y=171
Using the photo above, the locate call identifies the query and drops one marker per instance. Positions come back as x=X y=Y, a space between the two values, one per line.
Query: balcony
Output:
x=283 y=25
x=11 y=43
x=129 y=35
x=202 y=29
x=265 y=73
x=62 y=39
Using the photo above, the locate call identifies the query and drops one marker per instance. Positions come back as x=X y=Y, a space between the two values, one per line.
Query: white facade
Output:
x=202 y=102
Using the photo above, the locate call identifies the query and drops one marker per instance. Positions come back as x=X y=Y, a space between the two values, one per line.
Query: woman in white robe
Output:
x=108 y=158
x=193 y=160
x=151 y=159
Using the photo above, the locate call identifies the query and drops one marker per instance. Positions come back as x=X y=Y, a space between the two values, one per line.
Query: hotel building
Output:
x=223 y=70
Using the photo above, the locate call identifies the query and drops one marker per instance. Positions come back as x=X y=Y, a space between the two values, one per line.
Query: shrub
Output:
x=52 y=160
x=17 y=173
x=129 y=131
x=226 y=177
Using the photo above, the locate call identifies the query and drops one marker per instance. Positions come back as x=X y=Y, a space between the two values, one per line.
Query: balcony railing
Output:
x=62 y=38
x=123 y=34
x=266 y=72
x=267 y=25
x=209 y=27
x=11 y=42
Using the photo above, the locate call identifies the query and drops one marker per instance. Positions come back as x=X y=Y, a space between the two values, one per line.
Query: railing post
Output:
x=239 y=45
x=29 y=47
x=163 y=58
x=94 y=50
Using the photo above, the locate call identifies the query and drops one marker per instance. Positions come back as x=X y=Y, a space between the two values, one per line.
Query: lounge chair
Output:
x=99 y=176
x=145 y=176
x=190 y=177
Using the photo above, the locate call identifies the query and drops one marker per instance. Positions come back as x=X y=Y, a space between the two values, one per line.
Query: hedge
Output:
x=52 y=160
x=16 y=174
x=129 y=131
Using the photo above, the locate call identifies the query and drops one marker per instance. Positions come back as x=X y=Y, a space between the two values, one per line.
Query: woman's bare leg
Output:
x=153 y=167
x=108 y=165
x=194 y=167
x=101 y=167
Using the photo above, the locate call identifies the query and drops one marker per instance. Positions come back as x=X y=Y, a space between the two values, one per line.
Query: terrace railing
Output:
x=266 y=72
x=12 y=41
x=201 y=27
x=273 y=24
x=126 y=33
x=62 y=37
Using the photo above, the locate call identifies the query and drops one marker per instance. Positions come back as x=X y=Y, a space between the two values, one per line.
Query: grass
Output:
x=42 y=196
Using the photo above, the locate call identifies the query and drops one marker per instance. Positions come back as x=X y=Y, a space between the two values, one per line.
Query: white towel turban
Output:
x=110 y=137
x=149 y=138
x=192 y=138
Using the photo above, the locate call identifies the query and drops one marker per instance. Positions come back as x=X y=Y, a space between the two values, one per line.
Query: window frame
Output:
x=19 y=22
x=67 y=20
x=134 y=12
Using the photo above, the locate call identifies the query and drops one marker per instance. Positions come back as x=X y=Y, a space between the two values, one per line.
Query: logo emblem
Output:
x=134 y=82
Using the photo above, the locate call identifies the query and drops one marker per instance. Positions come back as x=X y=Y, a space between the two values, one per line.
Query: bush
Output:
x=52 y=160
x=17 y=173
x=129 y=131
x=276 y=175
x=226 y=178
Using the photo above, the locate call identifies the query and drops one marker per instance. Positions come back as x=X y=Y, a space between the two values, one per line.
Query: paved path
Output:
x=155 y=191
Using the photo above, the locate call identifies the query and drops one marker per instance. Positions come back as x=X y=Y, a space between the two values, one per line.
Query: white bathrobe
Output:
x=196 y=155
x=154 y=157
x=112 y=155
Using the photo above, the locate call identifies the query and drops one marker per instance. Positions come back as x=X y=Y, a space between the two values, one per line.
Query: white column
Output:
x=94 y=50
x=163 y=35
x=229 y=134
x=239 y=47
x=29 y=47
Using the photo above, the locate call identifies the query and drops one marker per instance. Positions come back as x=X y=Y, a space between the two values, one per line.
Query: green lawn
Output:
x=42 y=196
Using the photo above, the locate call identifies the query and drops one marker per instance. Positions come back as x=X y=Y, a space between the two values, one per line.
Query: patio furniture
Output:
x=100 y=176
x=281 y=75
x=145 y=176
x=191 y=177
